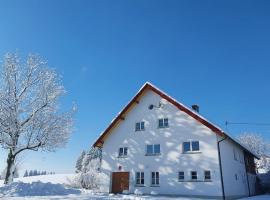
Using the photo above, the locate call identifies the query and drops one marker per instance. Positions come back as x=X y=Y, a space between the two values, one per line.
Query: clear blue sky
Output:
x=212 y=53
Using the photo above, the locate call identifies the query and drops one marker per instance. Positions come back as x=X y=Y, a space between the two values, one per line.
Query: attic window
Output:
x=122 y=152
x=139 y=126
x=163 y=123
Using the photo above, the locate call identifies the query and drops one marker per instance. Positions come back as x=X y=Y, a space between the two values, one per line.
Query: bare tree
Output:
x=29 y=116
x=257 y=144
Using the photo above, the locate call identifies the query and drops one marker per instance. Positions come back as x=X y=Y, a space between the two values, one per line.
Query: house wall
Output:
x=182 y=128
x=233 y=169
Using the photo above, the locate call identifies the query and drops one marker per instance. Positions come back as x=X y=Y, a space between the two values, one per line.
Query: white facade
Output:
x=171 y=160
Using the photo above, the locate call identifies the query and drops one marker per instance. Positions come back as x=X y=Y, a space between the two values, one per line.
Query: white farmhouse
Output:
x=158 y=145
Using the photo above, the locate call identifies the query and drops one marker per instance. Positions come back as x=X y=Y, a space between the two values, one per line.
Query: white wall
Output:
x=231 y=167
x=182 y=128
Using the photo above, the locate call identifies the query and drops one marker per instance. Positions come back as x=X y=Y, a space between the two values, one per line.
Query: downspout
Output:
x=220 y=166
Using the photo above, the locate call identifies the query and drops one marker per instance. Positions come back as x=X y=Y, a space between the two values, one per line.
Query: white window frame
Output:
x=141 y=126
x=155 y=180
x=124 y=152
x=190 y=147
x=139 y=177
x=153 y=153
x=163 y=124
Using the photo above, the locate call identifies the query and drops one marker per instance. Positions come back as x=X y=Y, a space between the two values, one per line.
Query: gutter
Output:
x=220 y=166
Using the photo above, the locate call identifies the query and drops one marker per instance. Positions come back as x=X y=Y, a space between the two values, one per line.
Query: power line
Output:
x=247 y=123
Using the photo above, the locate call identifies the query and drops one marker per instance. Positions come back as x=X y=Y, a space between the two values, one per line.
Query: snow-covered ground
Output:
x=260 y=197
x=55 y=178
x=55 y=187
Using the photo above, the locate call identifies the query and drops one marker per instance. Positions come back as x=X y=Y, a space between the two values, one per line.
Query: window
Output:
x=139 y=178
x=207 y=175
x=193 y=175
x=181 y=176
x=152 y=149
x=163 y=123
x=123 y=151
x=139 y=126
x=236 y=177
x=234 y=154
x=155 y=178
x=191 y=146
x=195 y=146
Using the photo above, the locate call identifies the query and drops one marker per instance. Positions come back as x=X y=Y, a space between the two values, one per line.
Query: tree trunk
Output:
x=10 y=164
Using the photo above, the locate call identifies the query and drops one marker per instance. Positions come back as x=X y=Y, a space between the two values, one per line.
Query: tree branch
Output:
x=29 y=148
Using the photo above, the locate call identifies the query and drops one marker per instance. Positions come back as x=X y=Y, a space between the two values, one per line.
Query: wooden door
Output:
x=120 y=182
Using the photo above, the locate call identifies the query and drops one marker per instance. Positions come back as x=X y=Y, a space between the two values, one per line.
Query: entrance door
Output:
x=120 y=182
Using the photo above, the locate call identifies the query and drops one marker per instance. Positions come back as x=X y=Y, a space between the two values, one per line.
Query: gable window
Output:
x=163 y=123
x=152 y=149
x=139 y=126
x=155 y=178
x=234 y=154
x=191 y=146
x=139 y=178
x=236 y=177
x=193 y=175
x=181 y=176
x=123 y=151
x=207 y=175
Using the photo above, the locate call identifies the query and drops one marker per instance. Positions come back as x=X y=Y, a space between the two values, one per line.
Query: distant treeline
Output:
x=36 y=173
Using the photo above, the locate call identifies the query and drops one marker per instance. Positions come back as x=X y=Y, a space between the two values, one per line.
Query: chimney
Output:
x=195 y=108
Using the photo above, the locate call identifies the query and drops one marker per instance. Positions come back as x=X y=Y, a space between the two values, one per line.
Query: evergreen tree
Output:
x=25 y=173
x=79 y=162
x=35 y=172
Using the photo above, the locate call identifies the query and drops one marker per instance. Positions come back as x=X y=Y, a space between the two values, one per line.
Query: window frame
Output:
x=235 y=154
x=182 y=175
x=190 y=145
x=140 y=127
x=163 y=122
x=155 y=180
x=140 y=178
x=194 y=177
x=153 y=149
x=123 y=154
x=207 y=177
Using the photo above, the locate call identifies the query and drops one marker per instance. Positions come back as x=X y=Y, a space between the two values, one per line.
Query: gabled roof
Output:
x=180 y=106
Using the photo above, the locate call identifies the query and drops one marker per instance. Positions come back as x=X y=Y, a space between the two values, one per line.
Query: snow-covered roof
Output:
x=179 y=105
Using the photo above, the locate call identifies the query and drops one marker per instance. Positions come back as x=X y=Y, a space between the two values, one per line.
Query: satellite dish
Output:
x=150 y=107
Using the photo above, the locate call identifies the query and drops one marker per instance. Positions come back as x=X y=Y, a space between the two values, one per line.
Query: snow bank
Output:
x=55 y=178
x=260 y=197
x=36 y=189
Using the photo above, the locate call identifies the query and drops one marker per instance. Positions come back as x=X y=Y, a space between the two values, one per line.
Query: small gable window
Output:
x=139 y=126
x=163 y=123
x=123 y=151
x=235 y=154
x=191 y=146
